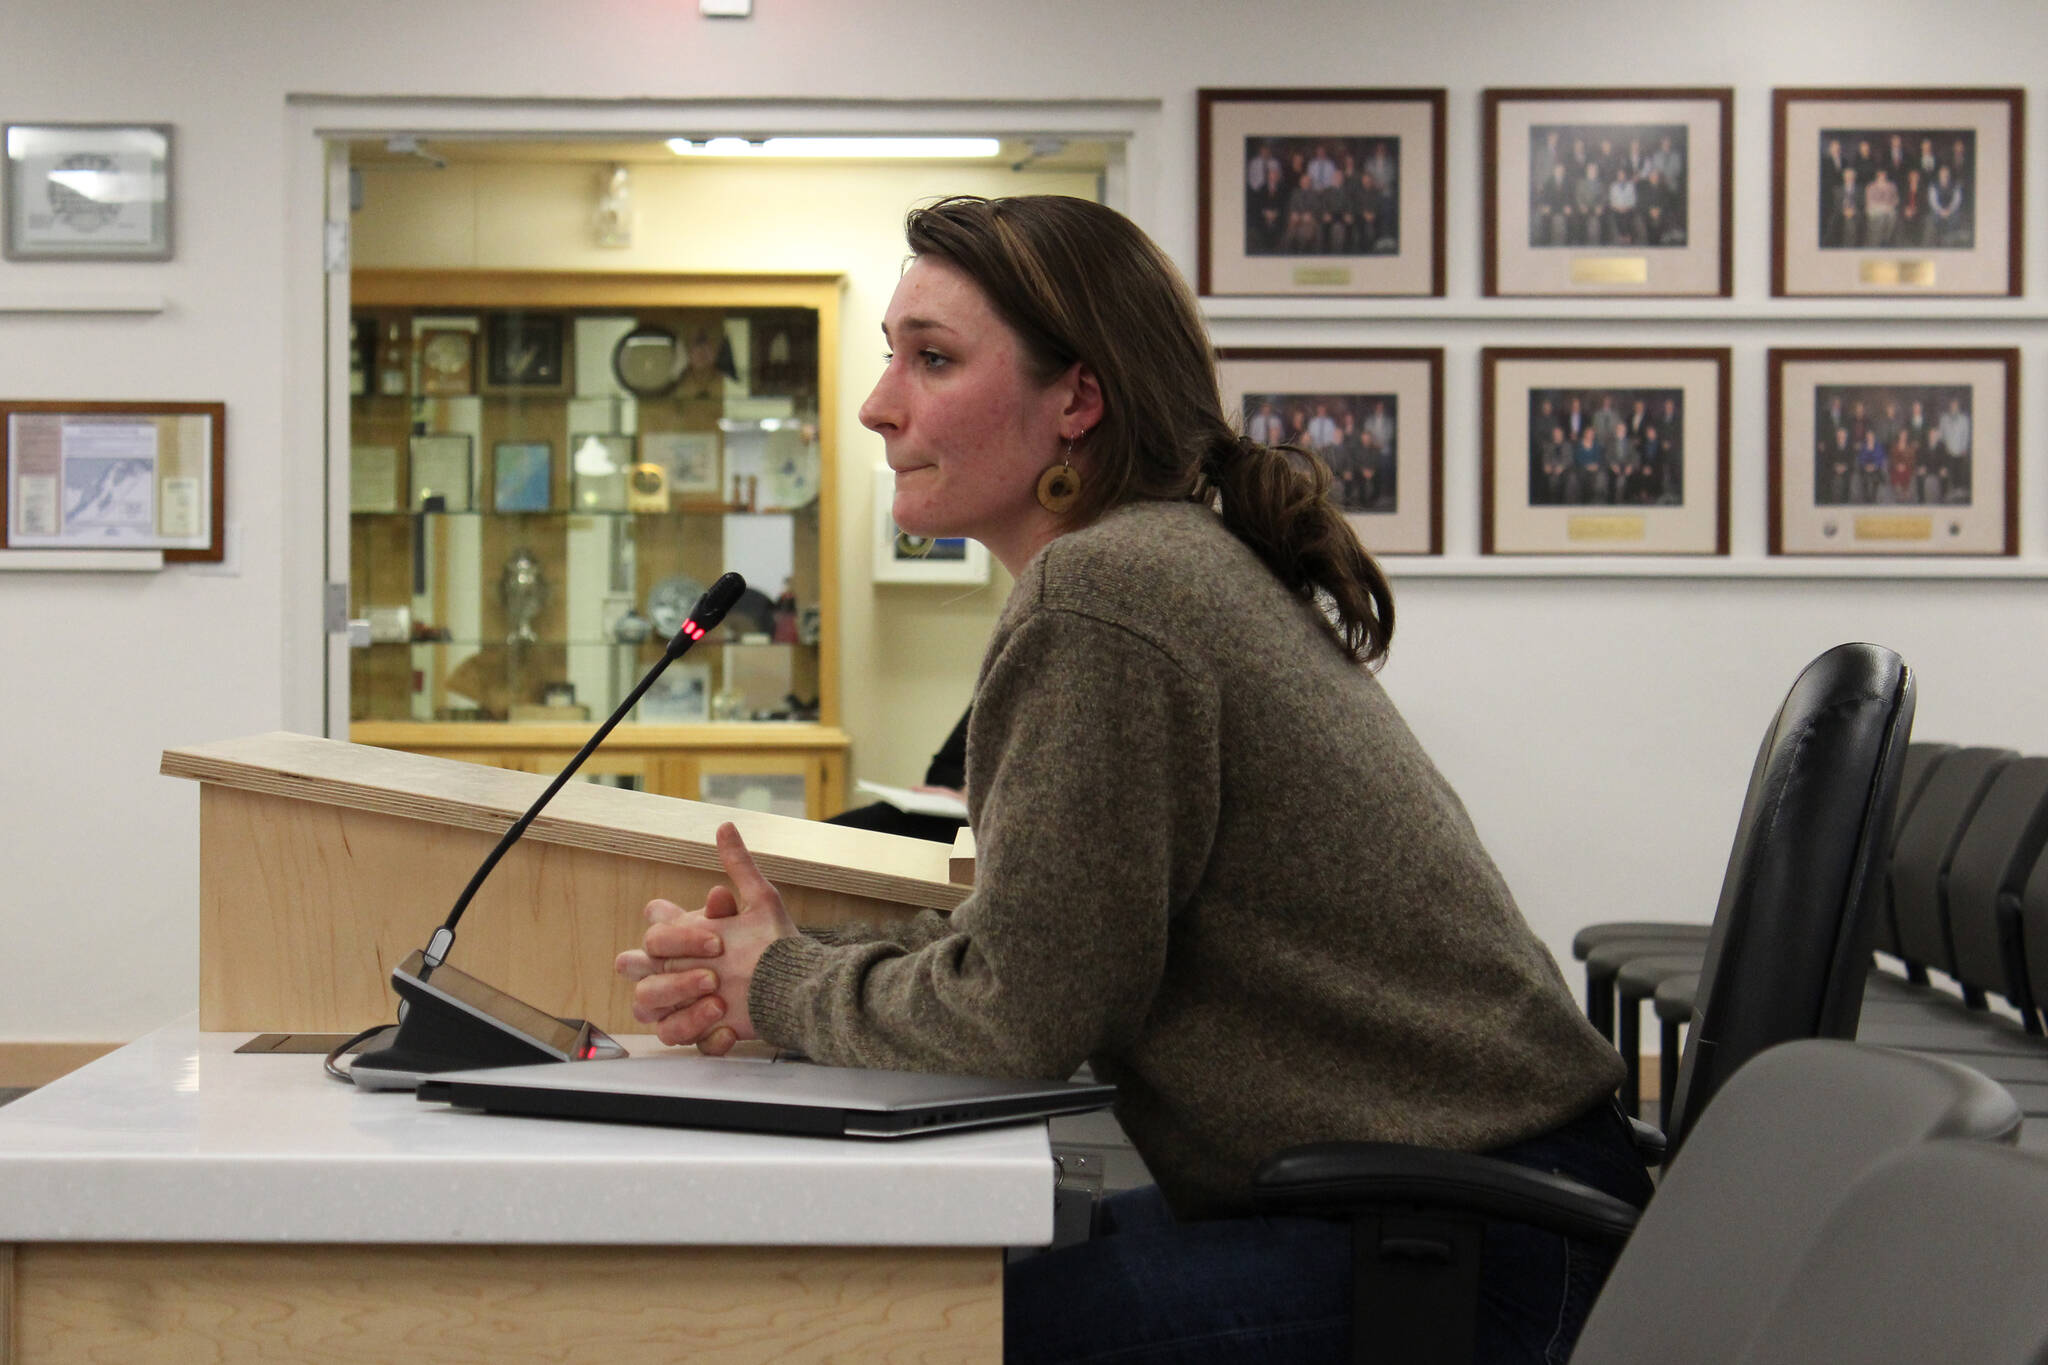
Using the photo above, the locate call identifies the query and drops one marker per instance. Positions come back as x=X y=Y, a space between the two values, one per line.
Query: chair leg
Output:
x=1629 y=1042
x=1600 y=1003
x=1667 y=1073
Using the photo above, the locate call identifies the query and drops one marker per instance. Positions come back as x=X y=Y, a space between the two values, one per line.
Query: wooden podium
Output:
x=322 y=864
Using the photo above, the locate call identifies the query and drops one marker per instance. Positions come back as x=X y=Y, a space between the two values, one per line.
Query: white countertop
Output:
x=175 y=1138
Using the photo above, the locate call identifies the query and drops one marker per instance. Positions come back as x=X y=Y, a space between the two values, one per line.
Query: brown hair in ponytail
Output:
x=1080 y=282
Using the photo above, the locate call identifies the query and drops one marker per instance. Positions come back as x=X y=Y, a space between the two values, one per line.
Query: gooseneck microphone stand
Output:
x=449 y=1021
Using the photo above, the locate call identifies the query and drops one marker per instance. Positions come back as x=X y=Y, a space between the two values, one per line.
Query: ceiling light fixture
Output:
x=866 y=148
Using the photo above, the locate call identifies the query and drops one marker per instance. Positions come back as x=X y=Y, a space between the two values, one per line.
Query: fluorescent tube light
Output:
x=936 y=148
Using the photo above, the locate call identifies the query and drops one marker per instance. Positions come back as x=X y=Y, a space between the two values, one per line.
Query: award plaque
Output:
x=647 y=489
x=649 y=361
x=447 y=362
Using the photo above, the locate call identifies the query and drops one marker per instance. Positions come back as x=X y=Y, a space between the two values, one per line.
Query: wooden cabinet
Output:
x=546 y=470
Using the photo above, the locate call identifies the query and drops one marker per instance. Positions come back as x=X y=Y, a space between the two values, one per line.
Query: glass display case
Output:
x=545 y=473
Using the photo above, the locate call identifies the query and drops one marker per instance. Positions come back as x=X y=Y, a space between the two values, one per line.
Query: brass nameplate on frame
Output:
x=1611 y=270
x=1337 y=275
x=1895 y=527
x=1918 y=274
x=1613 y=526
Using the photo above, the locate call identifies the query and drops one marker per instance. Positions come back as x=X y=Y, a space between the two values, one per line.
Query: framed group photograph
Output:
x=904 y=558
x=1897 y=191
x=525 y=353
x=114 y=476
x=1312 y=192
x=1894 y=452
x=86 y=191
x=1604 y=451
x=1375 y=417
x=1594 y=192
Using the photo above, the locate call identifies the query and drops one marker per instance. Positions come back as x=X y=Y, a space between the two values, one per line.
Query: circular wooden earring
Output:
x=1059 y=488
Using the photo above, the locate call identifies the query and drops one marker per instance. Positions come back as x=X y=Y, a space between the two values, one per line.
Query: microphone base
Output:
x=449 y=1021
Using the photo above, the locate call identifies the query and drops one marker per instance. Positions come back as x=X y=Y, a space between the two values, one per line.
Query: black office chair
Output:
x=1619 y=981
x=1921 y=858
x=1786 y=959
x=1668 y=982
x=1972 y=909
x=1935 y=1254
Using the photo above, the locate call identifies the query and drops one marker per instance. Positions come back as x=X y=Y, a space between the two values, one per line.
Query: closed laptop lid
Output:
x=780 y=1095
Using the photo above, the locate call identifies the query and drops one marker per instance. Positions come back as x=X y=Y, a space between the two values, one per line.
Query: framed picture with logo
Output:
x=1315 y=192
x=86 y=191
x=1604 y=451
x=1894 y=451
x=1897 y=192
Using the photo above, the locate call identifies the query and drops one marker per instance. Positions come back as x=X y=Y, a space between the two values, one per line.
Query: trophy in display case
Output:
x=523 y=590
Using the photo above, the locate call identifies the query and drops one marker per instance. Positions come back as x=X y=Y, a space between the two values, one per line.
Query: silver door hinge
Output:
x=337 y=248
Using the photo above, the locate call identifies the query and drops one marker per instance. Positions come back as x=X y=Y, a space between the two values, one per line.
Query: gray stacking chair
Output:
x=1787 y=1139
x=1935 y=1254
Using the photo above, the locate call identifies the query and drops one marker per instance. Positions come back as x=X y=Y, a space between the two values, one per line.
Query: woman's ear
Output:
x=1083 y=408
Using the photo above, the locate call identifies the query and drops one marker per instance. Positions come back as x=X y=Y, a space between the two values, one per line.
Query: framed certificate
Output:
x=690 y=457
x=87 y=191
x=373 y=479
x=442 y=478
x=114 y=476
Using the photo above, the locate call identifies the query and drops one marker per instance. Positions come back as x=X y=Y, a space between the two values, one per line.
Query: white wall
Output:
x=1600 y=729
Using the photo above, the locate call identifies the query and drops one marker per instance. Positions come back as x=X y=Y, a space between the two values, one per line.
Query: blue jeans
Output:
x=1149 y=1289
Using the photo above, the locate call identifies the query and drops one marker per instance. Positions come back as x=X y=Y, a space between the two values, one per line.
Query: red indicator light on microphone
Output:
x=693 y=630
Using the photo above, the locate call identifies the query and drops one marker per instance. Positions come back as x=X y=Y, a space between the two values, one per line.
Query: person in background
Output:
x=945 y=775
x=1213 y=861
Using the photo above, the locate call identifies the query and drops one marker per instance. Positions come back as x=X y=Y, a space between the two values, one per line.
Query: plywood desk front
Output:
x=177 y=1201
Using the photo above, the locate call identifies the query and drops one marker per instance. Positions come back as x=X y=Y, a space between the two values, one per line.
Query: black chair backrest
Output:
x=2034 y=930
x=1926 y=848
x=1936 y=1254
x=1790 y=946
x=1922 y=758
x=1767 y=1164
x=1993 y=859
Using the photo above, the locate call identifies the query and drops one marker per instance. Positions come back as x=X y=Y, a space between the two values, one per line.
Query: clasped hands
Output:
x=694 y=968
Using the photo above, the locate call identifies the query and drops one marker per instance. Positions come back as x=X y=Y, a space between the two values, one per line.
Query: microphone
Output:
x=449 y=1021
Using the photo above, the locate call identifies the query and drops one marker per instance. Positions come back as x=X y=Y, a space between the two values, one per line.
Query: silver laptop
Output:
x=784 y=1095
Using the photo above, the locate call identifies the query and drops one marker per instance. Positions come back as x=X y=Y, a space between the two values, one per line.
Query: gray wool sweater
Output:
x=1213 y=861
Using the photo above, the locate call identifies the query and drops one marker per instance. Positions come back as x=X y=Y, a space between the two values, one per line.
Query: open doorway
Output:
x=452 y=205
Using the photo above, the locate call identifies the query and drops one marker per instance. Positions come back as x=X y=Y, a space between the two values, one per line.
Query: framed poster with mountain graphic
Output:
x=114 y=476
